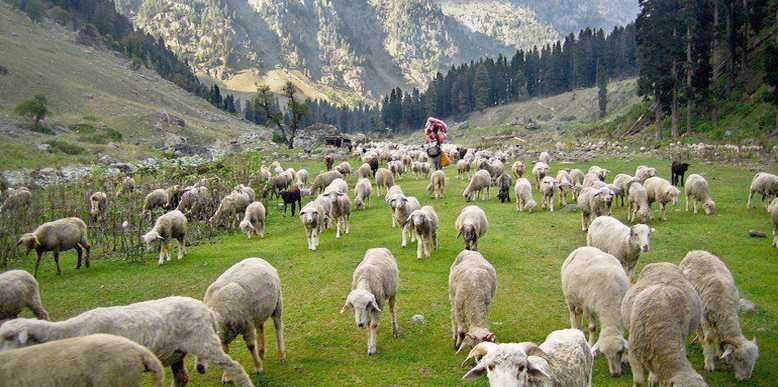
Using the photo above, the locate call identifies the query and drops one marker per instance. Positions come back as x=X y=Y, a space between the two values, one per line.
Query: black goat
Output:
x=292 y=195
x=678 y=171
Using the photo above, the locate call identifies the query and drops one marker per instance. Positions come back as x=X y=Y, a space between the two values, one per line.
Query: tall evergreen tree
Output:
x=481 y=87
x=602 y=89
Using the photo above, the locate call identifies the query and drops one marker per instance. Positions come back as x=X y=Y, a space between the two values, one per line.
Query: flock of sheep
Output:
x=660 y=308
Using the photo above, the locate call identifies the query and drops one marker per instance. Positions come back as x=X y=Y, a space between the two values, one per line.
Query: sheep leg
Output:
x=750 y=196
x=694 y=204
x=419 y=247
x=38 y=256
x=638 y=375
x=663 y=210
x=435 y=238
x=180 y=376
x=56 y=261
x=226 y=349
x=687 y=203
x=372 y=331
x=36 y=306
x=592 y=328
x=161 y=254
x=337 y=228
x=181 y=248
x=279 y=327
x=393 y=309
x=708 y=348
x=210 y=350
x=404 y=237
x=583 y=221
x=79 y=255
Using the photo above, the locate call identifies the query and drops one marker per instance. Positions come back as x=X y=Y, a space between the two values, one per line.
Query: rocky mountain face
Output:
x=364 y=46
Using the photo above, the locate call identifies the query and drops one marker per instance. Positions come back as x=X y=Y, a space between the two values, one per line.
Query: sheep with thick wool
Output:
x=94 y=360
x=98 y=204
x=563 y=359
x=518 y=169
x=437 y=184
x=594 y=284
x=565 y=185
x=540 y=170
x=345 y=169
x=324 y=179
x=623 y=242
x=637 y=199
x=697 y=192
x=480 y=181
x=423 y=225
x=230 y=209
x=301 y=177
x=364 y=172
x=643 y=173
x=660 y=311
x=471 y=225
x=383 y=180
x=20 y=290
x=620 y=181
x=463 y=168
x=660 y=190
x=402 y=207
x=254 y=218
x=765 y=184
x=172 y=225
x=374 y=281
x=16 y=199
x=472 y=283
x=773 y=211
x=548 y=188
x=362 y=191
x=524 y=199
x=721 y=333
x=504 y=184
x=340 y=212
x=194 y=202
x=242 y=299
x=157 y=198
x=57 y=236
x=315 y=219
x=592 y=202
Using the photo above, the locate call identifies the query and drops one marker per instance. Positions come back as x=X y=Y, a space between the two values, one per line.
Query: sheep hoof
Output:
x=201 y=368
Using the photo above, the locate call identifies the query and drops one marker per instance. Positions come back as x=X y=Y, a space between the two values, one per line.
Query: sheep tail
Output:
x=153 y=365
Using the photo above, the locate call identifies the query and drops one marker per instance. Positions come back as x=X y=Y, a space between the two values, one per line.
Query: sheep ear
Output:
x=728 y=352
x=160 y=238
x=22 y=337
x=459 y=234
x=346 y=306
x=475 y=372
x=537 y=366
x=754 y=341
x=491 y=337
x=375 y=306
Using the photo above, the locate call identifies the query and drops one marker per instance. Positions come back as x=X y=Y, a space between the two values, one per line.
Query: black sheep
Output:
x=678 y=171
x=292 y=195
x=504 y=183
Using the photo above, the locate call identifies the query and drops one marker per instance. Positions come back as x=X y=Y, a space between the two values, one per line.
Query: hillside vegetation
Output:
x=98 y=88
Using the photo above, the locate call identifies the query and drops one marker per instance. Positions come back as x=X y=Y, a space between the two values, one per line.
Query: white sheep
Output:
x=471 y=225
x=563 y=359
x=230 y=209
x=518 y=169
x=171 y=225
x=364 y=171
x=423 y=224
x=345 y=169
x=94 y=360
x=545 y=157
x=601 y=173
x=697 y=191
x=643 y=173
x=548 y=188
x=98 y=203
x=375 y=280
x=57 y=236
x=314 y=218
x=565 y=183
x=620 y=181
x=594 y=283
x=324 y=179
x=17 y=199
x=383 y=180
x=660 y=190
x=479 y=182
x=253 y=222
x=773 y=211
x=249 y=192
x=437 y=184
x=362 y=191
x=524 y=200
x=171 y=328
x=194 y=202
x=660 y=311
x=340 y=212
x=243 y=298
x=615 y=238
x=539 y=170
x=472 y=283
x=637 y=197
x=463 y=168
x=20 y=290
x=301 y=177
x=593 y=203
x=765 y=184
x=577 y=175
x=721 y=333
x=402 y=207
x=338 y=185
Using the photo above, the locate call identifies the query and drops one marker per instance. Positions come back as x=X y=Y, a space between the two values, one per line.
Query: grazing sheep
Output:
x=157 y=198
x=620 y=182
x=660 y=311
x=463 y=168
x=773 y=211
x=364 y=171
x=594 y=283
x=548 y=187
x=194 y=202
x=472 y=283
x=263 y=175
x=171 y=328
x=765 y=184
x=328 y=161
x=615 y=238
x=643 y=173
x=697 y=191
x=383 y=179
x=471 y=225
x=504 y=184
x=294 y=197
x=253 y=222
x=661 y=191
x=301 y=177
x=276 y=167
x=721 y=333
x=678 y=170
x=524 y=200
x=518 y=169
x=57 y=236
x=539 y=170
x=565 y=185
x=248 y=191
x=324 y=179
x=243 y=298
x=345 y=169
x=127 y=186
x=397 y=168
x=340 y=212
x=98 y=203
x=337 y=185
x=423 y=224
x=20 y=290
x=494 y=167
x=637 y=197
x=17 y=199
x=362 y=192
x=314 y=218
x=545 y=157
x=229 y=210
x=171 y=225
x=592 y=179
x=480 y=181
x=577 y=176
x=437 y=184
x=601 y=173
x=375 y=279
x=402 y=207
x=564 y=359
x=592 y=202
x=94 y=360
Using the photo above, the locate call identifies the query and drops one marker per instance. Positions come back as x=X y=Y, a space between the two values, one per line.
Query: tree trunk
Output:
x=714 y=111
x=689 y=89
x=658 y=118
x=674 y=103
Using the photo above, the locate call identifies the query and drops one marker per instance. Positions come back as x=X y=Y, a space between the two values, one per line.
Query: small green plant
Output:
x=278 y=138
x=33 y=108
x=66 y=147
x=83 y=128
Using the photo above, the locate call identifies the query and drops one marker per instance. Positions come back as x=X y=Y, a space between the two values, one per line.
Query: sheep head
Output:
x=22 y=332
x=476 y=336
x=152 y=240
x=362 y=303
x=612 y=344
x=310 y=216
x=640 y=236
x=742 y=355
x=530 y=205
x=469 y=234
x=509 y=364
x=687 y=378
x=709 y=206
x=246 y=227
x=29 y=241
x=672 y=194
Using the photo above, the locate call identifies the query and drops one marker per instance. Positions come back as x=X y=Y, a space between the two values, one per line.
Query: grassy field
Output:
x=325 y=348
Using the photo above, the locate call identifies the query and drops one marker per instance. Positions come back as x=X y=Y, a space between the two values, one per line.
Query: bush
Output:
x=89 y=133
x=83 y=128
x=66 y=147
x=278 y=138
x=41 y=128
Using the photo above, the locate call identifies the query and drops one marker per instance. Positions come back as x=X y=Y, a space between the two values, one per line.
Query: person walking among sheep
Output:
x=435 y=132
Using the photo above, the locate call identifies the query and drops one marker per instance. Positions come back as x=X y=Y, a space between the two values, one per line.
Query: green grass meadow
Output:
x=325 y=347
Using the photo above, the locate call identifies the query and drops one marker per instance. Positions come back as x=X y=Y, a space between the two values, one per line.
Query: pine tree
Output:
x=602 y=89
x=481 y=87
x=771 y=73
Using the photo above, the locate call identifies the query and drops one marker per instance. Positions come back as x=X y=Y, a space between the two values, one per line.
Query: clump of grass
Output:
x=66 y=147
x=91 y=134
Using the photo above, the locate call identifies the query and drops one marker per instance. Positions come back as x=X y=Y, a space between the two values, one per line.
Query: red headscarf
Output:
x=429 y=130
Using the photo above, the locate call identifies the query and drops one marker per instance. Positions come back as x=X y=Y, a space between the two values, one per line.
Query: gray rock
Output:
x=417 y=318
x=745 y=306
x=757 y=234
x=43 y=147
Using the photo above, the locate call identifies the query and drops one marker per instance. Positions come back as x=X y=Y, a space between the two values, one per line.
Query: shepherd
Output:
x=435 y=132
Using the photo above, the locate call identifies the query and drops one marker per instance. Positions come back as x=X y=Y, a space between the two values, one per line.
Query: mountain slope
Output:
x=98 y=87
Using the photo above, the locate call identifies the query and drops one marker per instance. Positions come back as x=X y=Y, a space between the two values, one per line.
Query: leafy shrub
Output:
x=278 y=138
x=41 y=128
x=83 y=128
x=66 y=147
